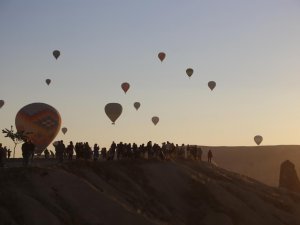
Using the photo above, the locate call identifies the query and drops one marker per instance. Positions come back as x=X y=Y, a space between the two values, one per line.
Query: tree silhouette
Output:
x=16 y=136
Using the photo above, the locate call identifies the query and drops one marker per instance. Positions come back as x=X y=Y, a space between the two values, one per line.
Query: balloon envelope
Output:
x=137 y=105
x=212 y=85
x=125 y=86
x=1 y=103
x=42 y=120
x=113 y=111
x=258 y=139
x=161 y=56
x=64 y=130
x=155 y=120
x=189 y=72
x=48 y=81
x=56 y=54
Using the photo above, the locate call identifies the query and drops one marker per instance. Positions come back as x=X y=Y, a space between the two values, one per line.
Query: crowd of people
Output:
x=82 y=150
x=120 y=151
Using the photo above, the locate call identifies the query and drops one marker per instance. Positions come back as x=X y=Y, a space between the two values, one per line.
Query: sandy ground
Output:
x=141 y=192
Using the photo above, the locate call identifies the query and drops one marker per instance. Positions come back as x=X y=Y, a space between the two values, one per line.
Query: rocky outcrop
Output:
x=288 y=177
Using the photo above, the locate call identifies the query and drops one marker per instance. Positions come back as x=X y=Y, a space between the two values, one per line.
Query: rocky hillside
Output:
x=259 y=162
x=141 y=193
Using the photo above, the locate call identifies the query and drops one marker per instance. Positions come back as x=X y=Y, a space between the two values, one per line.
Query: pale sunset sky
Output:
x=250 y=48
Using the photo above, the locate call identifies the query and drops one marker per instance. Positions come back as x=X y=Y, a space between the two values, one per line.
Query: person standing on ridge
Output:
x=209 y=155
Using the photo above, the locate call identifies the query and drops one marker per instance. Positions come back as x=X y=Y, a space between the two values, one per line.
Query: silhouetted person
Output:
x=1 y=156
x=96 y=152
x=70 y=150
x=103 y=153
x=209 y=156
x=47 y=154
x=60 y=149
x=8 y=153
x=112 y=151
x=31 y=149
x=26 y=152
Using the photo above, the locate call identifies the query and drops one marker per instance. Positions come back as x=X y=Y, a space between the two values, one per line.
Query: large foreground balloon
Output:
x=155 y=120
x=64 y=130
x=258 y=139
x=189 y=72
x=48 y=81
x=125 y=86
x=42 y=121
x=113 y=111
x=1 y=103
x=212 y=85
x=161 y=56
x=56 y=54
x=137 y=105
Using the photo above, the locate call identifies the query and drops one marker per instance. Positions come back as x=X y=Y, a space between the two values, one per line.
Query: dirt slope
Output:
x=141 y=192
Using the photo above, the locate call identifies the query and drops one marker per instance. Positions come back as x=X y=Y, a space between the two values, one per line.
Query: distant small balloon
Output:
x=212 y=85
x=1 y=103
x=258 y=139
x=155 y=120
x=113 y=111
x=137 y=105
x=125 y=86
x=64 y=130
x=56 y=54
x=189 y=72
x=161 y=56
x=48 y=81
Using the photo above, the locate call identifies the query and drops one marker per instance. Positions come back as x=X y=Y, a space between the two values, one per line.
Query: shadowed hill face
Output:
x=260 y=162
x=137 y=192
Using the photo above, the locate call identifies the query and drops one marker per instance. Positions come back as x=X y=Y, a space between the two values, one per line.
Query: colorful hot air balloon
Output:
x=56 y=54
x=189 y=72
x=125 y=86
x=155 y=120
x=258 y=139
x=137 y=105
x=42 y=121
x=48 y=81
x=161 y=56
x=64 y=130
x=212 y=85
x=113 y=111
x=1 y=103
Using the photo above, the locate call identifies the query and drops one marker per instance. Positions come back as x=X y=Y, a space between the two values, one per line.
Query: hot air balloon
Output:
x=189 y=72
x=56 y=54
x=137 y=105
x=42 y=121
x=113 y=111
x=125 y=86
x=258 y=139
x=212 y=85
x=48 y=81
x=1 y=103
x=161 y=56
x=64 y=130
x=155 y=120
